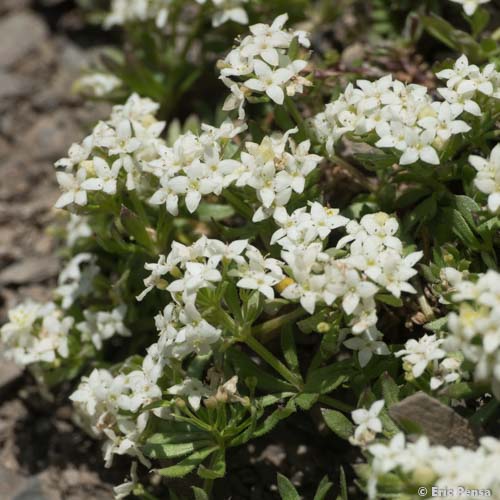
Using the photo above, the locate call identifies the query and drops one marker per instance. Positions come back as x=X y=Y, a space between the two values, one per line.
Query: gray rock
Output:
x=12 y=85
x=51 y=136
x=9 y=374
x=440 y=423
x=13 y=486
x=20 y=34
x=30 y=270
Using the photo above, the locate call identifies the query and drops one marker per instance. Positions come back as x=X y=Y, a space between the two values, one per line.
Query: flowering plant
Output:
x=218 y=282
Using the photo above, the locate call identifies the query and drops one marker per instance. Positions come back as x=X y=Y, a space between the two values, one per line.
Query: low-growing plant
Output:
x=222 y=277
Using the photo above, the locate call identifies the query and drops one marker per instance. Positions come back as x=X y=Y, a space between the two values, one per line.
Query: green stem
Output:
x=335 y=403
x=297 y=118
x=208 y=484
x=194 y=33
x=240 y=206
x=271 y=359
x=267 y=331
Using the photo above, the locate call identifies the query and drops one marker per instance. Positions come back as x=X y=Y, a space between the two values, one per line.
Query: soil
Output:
x=42 y=454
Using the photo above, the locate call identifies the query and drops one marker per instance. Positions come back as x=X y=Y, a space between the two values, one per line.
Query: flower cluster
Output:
x=488 y=177
x=426 y=353
x=113 y=153
x=36 y=333
x=262 y=63
x=475 y=327
x=421 y=464
x=76 y=279
x=466 y=83
x=97 y=84
x=404 y=117
x=133 y=11
x=101 y=399
x=275 y=173
x=103 y=325
x=375 y=262
x=194 y=167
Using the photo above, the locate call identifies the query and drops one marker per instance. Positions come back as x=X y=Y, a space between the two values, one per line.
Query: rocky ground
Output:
x=42 y=455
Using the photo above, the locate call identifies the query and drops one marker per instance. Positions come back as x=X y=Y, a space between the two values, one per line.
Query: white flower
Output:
x=387 y=458
x=97 y=84
x=76 y=228
x=470 y=6
x=419 y=353
x=193 y=389
x=196 y=183
x=488 y=177
x=126 y=488
x=447 y=372
x=368 y=423
x=106 y=177
x=367 y=344
x=260 y=63
x=71 y=185
x=196 y=277
x=269 y=81
x=155 y=279
x=77 y=279
x=259 y=274
x=229 y=10
x=417 y=146
x=444 y=125
x=77 y=154
x=474 y=328
x=103 y=325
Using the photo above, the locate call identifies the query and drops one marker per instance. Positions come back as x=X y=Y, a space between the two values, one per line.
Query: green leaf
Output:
x=214 y=211
x=232 y=300
x=286 y=489
x=135 y=228
x=199 y=494
x=274 y=419
x=455 y=39
x=305 y=401
x=323 y=488
x=328 y=378
x=437 y=325
x=252 y=307
x=343 y=486
x=289 y=348
x=463 y=231
x=467 y=206
x=390 y=390
x=156 y=447
x=389 y=299
x=188 y=464
x=338 y=423
x=479 y=21
x=217 y=468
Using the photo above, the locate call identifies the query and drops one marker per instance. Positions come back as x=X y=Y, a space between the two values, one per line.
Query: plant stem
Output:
x=208 y=484
x=267 y=331
x=297 y=118
x=271 y=359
